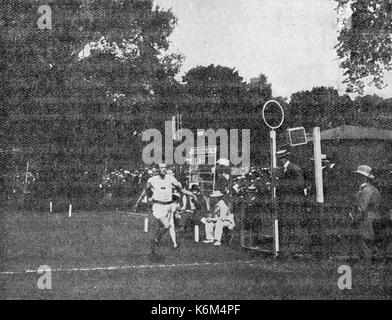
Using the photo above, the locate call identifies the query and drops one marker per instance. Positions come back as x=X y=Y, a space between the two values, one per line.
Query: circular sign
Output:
x=273 y=114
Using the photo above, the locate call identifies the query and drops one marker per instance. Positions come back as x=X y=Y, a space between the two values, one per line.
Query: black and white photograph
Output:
x=204 y=151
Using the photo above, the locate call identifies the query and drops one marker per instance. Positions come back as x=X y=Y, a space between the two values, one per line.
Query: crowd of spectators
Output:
x=125 y=182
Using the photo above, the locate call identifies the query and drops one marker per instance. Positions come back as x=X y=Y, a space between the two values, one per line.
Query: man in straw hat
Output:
x=162 y=186
x=366 y=213
x=219 y=218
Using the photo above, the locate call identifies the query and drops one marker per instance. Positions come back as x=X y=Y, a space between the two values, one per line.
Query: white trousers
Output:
x=214 y=230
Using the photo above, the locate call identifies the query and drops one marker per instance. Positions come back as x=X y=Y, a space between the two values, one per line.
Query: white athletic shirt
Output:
x=163 y=188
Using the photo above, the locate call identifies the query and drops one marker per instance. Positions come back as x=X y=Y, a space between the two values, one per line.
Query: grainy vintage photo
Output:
x=175 y=150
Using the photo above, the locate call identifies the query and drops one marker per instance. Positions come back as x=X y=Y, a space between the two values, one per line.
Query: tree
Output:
x=214 y=94
x=323 y=107
x=217 y=97
x=258 y=91
x=317 y=107
x=78 y=110
x=365 y=43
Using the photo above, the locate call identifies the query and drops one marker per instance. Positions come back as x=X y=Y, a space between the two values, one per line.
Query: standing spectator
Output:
x=290 y=193
x=223 y=177
x=290 y=176
x=366 y=213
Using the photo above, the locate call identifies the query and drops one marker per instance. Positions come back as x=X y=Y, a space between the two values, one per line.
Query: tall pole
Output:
x=318 y=174
x=273 y=192
x=318 y=165
x=273 y=127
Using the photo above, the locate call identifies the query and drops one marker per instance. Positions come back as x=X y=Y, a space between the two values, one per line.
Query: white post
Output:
x=50 y=206
x=70 y=211
x=146 y=225
x=276 y=238
x=273 y=159
x=318 y=176
x=273 y=137
x=273 y=185
x=196 y=233
x=27 y=171
x=318 y=165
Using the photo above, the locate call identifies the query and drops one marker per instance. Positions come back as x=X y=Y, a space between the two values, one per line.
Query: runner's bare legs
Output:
x=172 y=233
x=163 y=226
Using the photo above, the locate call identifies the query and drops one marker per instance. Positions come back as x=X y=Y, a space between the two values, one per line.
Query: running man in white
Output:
x=161 y=186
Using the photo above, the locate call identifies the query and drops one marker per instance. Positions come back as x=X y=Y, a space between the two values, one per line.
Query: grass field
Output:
x=105 y=255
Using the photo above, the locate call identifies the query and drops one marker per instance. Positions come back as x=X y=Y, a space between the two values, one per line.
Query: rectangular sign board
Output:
x=297 y=136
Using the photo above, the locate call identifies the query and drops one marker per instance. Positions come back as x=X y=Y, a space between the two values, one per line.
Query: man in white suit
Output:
x=219 y=218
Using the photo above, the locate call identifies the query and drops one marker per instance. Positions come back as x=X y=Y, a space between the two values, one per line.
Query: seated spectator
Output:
x=219 y=217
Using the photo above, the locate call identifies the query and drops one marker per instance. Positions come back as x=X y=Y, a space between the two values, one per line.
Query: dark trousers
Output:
x=189 y=220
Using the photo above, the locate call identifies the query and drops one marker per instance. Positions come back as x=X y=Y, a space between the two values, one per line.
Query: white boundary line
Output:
x=253 y=263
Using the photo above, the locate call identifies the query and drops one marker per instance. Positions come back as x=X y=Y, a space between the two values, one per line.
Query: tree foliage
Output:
x=316 y=107
x=365 y=43
x=214 y=92
x=75 y=107
x=325 y=108
x=218 y=97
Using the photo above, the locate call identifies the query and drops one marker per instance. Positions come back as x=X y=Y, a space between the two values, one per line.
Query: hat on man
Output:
x=195 y=187
x=282 y=153
x=216 y=194
x=223 y=162
x=365 y=171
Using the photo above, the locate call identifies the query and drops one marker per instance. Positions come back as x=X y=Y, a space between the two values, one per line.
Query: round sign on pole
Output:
x=273 y=114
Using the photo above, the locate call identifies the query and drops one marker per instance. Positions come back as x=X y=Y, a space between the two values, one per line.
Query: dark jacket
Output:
x=291 y=181
x=368 y=200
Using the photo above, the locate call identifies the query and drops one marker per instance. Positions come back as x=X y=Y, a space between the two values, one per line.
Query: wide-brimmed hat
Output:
x=223 y=162
x=365 y=171
x=216 y=194
x=282 y=153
